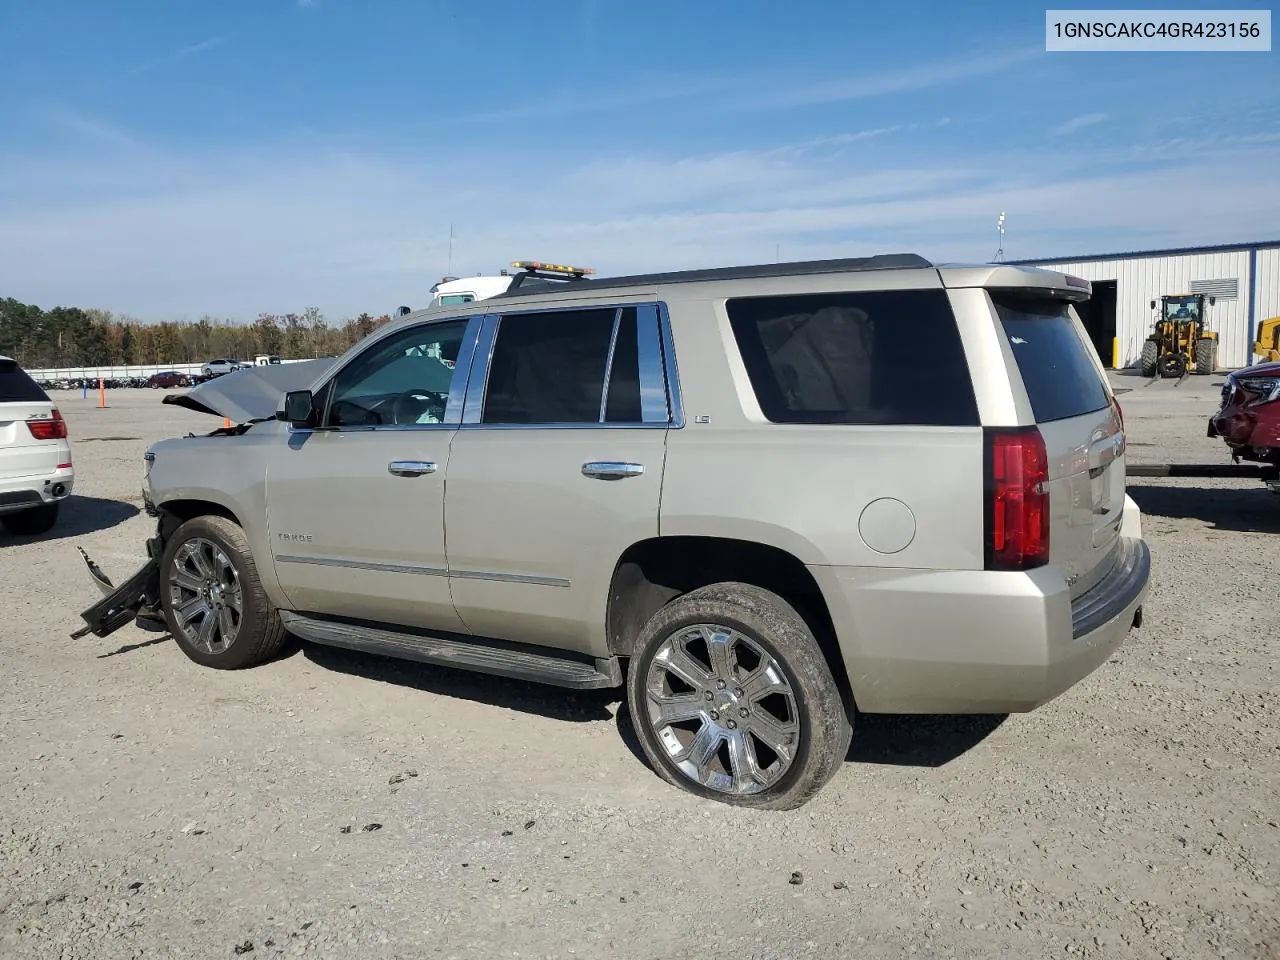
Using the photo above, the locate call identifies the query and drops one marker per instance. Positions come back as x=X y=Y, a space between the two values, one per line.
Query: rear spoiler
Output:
x=1031 y=280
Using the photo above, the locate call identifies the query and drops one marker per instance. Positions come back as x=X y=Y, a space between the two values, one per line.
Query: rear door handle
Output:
x=410 y=468
x=611 y=469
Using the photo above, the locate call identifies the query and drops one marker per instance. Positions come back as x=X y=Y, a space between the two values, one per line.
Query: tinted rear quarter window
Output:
x=882 y=357
x=1059 y=375
x=17 y=386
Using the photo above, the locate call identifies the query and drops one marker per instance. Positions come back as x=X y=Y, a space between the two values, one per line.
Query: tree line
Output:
x=75 y=337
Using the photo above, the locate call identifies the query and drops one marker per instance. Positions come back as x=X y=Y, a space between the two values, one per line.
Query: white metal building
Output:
x=1244 y=279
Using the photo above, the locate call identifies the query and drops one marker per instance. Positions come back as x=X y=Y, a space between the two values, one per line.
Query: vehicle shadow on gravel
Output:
x=1248 y=510
x=891 y=739
x=79 y=516
x=555 y=703
x=903 y=740
x=897 y=740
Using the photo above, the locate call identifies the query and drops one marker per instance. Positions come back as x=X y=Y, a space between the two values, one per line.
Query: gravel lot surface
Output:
x=336 y=805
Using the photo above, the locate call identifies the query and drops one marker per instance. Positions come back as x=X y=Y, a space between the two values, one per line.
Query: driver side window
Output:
x=402 y=380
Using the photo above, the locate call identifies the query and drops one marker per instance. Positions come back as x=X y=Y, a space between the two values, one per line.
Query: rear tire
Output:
x=1150 y=357
x=212 y=597
x=737 y=668
x=33 y=522
x=1206 y=356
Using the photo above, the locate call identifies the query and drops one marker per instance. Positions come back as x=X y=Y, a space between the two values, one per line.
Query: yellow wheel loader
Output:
x=1179 y=342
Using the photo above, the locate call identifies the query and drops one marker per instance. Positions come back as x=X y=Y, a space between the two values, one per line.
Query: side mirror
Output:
x=1212 y=301
x=403 y=311
x=299 y=408
x=1153 y=304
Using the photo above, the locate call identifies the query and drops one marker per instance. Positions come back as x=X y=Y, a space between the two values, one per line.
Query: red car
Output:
x=168 y=379
x=1249 y=419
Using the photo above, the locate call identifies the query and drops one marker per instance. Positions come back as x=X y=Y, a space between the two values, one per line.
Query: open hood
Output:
x=253 y=393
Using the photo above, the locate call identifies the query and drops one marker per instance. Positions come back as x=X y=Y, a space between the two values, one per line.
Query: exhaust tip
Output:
x=59 y=489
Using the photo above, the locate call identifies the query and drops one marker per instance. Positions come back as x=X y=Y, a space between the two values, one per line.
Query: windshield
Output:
x=1182 y=308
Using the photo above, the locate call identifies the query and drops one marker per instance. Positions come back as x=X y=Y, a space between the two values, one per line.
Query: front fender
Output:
x=226 y=472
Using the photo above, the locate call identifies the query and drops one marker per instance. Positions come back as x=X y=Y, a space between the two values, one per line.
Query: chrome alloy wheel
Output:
x=205 y=596
x=722 y=709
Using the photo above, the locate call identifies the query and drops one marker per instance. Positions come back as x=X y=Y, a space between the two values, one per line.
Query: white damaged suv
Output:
x=760 y=500
x=36 y=473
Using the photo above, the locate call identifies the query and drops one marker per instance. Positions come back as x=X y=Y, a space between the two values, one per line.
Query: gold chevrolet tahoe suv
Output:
x=763 y=500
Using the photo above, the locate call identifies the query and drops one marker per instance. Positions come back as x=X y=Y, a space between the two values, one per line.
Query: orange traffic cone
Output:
x=102 y=395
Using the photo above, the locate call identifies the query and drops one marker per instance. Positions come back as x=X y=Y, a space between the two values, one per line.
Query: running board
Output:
x=480 y=656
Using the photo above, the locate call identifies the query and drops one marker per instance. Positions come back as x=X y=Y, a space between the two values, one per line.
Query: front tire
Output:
x=732 y=699
x=33 y=522
x=212 y=597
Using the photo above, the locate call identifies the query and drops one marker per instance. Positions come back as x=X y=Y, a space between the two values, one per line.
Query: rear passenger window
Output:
x=549 y=367
x=882 y=357
x=16 y=386
x=1058 y=372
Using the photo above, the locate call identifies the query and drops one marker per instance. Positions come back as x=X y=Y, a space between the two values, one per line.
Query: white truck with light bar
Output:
x=451 y=291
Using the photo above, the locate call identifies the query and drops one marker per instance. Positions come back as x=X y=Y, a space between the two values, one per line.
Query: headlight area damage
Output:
x=245 y=397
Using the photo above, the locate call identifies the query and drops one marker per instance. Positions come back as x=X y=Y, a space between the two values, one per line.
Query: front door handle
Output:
x=410 y=468
x=611 y=470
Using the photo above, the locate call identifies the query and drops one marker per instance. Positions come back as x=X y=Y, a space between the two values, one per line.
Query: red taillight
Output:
x=1017 y=509
x=55 y=429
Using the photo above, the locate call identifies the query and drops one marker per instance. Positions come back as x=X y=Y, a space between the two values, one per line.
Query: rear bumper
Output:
x=23 y=493
x=978 y=642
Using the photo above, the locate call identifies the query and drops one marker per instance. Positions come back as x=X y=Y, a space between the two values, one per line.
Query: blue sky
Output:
x=167 y=158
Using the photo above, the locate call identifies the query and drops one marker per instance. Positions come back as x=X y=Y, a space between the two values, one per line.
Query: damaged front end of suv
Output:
x=243 y=399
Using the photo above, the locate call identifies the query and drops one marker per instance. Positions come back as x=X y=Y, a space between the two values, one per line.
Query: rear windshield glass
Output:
x=883 y=357
x=15 y=385
x=1057 y=370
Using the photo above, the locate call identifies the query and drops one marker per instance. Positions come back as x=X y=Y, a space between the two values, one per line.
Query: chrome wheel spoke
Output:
x=190 y=610
x=721 y=656
x=741 y=762
x=226 y=625
x=677 y=660
x=702 y=749
x=197 y=558
x=777 y=735
x=765 y=680
x=186 y=581
x=677 y=708
x=204 y=635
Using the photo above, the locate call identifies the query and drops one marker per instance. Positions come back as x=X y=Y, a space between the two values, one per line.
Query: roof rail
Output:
x=887 y=261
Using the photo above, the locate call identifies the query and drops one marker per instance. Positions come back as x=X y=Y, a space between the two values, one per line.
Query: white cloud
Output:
x=1076 y=124
x=180 y=54
x=905 y=79
x=238 y=232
